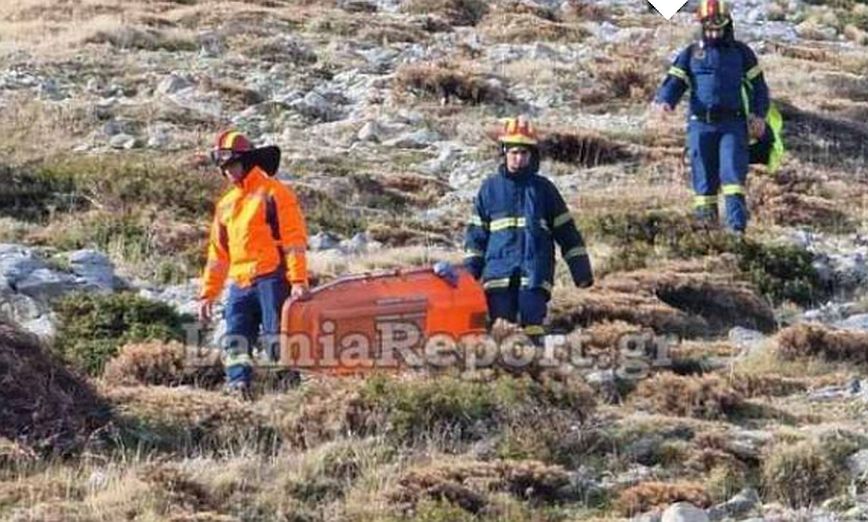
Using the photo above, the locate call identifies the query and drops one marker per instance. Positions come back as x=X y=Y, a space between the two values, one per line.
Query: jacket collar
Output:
x=253 y=180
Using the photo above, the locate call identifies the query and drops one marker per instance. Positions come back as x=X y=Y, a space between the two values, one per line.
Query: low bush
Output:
x=648 y=495
x=799 y=474
x=92 y=327
x=704 y=397
x=456 y=12
x=829 y=344
x=445 y=81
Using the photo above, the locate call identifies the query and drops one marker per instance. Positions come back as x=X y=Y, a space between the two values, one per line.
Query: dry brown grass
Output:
x=38 y=490
x=703 y=397
x=625 y=75
x=32 y=124
x=146 y=363
x=588 y=149
x=519 y=28
x=13 y=454
x=53 y=29
x=46 y=407
x=791 y=198
x=685 y=298
x=456 y=12
x=469 y=484
x=823 y=342
x=446 y=81
x=804 y=52
x=182 y=495
x=648 y=495
x=376 y=30
x=157 y=363
x=320 y=412
x=188 y=420
x=767 y=385
x=144 y=39
x=696 y=349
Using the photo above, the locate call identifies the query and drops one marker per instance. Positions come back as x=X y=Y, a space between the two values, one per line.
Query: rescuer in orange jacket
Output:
x=258 y=241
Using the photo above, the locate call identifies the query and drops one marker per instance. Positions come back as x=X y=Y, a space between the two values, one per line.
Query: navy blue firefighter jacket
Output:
x=517 y=220
x=715 y=75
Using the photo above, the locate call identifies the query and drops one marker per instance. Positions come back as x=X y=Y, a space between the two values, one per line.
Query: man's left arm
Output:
x=293 y=235
x=571 y=242
x=758 y=91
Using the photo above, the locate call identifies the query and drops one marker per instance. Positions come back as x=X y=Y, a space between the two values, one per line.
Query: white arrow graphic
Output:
x=668 y=7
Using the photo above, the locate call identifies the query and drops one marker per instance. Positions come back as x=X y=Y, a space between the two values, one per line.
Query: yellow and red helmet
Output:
x=518 y=131
x=714 y=14
x=229 y=147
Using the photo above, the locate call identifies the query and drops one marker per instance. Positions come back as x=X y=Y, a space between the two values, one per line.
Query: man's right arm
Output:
x=476 y=240
x=217 y=266
x=677 y=81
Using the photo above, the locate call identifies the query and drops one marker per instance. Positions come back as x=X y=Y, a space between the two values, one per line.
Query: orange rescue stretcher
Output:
x=371 y=322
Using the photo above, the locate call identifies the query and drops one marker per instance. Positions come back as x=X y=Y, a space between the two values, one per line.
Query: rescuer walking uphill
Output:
x=518 y=217
x=729 y=101
x=258 y=241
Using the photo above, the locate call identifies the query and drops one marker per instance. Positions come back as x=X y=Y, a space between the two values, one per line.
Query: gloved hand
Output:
x=474 y=266
x=446 y=272
x=756 y=127
x=206 y=310
x=584 y=284
x=299 y=292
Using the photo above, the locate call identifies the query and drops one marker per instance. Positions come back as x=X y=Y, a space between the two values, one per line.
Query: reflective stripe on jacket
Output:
x=517 y=220
x=715 y=75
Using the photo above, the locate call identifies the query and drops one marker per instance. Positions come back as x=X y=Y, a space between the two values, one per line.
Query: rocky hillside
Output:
x=383 y=110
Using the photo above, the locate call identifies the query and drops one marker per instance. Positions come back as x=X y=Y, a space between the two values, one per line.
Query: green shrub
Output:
x=466 y=409
x=93 y=327
x=678 y=234
x=123 y=183
x=323 y=213
x=779 y=272
x=800 y=474
x=725 y=481
x=146 y=243
x=441 y=511
x=34 y=196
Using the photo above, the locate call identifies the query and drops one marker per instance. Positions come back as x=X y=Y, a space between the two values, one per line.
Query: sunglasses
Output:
x=223 y=157
x=518 y=151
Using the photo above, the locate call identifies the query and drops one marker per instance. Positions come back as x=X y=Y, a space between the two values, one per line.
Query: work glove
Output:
x=580 y=271
x=299 y=292
x=587 y=283
x=474 y=266
x=206 y=309
x=756 y=127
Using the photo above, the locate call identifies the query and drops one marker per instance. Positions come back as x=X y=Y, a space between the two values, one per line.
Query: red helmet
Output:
x=229 y=147
x=518 y=131
x=714 y=14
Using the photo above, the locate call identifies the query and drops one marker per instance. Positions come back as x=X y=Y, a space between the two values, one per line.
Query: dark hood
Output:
x=266 y=158
x=727 y=39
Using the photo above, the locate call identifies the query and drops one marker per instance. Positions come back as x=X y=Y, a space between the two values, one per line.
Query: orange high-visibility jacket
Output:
x=258 y=228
